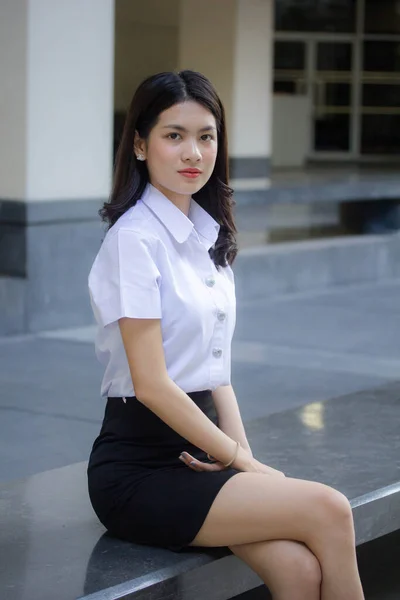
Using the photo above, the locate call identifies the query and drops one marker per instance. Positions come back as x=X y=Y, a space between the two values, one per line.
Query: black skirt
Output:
x=139 y=488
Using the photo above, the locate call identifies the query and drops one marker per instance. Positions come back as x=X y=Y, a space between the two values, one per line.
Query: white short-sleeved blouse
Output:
x=154 y=264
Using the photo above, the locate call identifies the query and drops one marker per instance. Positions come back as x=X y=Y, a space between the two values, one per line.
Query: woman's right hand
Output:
x=248 y=464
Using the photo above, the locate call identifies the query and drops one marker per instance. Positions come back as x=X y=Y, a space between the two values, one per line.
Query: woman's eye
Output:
x=208 y=136
x=174 y=136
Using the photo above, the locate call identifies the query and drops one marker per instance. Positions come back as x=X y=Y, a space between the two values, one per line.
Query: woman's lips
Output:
x=190 y=173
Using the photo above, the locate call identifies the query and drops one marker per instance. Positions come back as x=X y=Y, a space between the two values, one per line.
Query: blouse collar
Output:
x=179 y=225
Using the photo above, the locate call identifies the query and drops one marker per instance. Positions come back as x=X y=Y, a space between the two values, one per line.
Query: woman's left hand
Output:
x=198 y=465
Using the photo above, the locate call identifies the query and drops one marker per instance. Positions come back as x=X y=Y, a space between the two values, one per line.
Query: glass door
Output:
x=344 y=57
x=321 y=68
x=290 y=67
x=332 y=85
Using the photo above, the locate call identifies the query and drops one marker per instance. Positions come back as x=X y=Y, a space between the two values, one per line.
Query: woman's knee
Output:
x=336 y=503
x=334 y=509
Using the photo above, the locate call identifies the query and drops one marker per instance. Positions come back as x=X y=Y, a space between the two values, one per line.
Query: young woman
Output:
x=162 y=290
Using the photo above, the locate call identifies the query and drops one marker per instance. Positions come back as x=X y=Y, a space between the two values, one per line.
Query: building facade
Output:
x=339 y=62
x=301 y=80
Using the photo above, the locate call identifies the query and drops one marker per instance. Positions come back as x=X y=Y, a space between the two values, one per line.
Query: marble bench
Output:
x=52 y=546
x=369 y=199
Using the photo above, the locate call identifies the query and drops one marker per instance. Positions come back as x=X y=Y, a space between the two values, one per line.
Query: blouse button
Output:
x=221 y=315
x=210 y=281
x=217 y=352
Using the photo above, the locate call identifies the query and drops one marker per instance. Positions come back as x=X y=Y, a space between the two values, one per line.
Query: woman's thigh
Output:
x=253 y=507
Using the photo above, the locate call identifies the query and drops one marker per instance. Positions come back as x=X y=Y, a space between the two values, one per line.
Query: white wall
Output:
x=206 y=44
x=13 y=50
x=70 y=98
x=61 y=81
x=146 y=42
x=56 y=102
x=252 y=81
x=230 y=41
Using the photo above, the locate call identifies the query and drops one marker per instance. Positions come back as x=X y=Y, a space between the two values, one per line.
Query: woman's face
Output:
x=181 y=150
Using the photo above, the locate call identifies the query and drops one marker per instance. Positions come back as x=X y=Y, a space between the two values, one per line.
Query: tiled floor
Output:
x=287 y=352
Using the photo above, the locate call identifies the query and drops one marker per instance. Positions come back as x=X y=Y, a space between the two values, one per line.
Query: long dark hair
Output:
x=154 y=95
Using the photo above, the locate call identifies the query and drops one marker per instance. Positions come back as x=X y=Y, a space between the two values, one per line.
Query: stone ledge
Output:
x=34 y=212
x=315 y=265
x=303 y=187
x=12 y=299
x=377 y=513
x=55 y=542
x=227 y=576
x=263 y=271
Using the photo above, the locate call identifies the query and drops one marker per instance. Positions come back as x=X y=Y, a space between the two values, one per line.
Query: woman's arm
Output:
x=142 y=340
x=229 y=417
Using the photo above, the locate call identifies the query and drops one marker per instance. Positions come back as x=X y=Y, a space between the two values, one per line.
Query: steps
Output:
x=12 y=305
x=261 y=271
x=292 y=267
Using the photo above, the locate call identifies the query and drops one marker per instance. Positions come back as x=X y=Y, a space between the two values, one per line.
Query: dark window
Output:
x=289 y=55
x=334 y=56
x=289 y=67
x=380 y=134
x=332 y=133
x=382 y=16
x=315 y=15
x=382 y=56
x=285 y=87
x=387 y=95
x=333 y=94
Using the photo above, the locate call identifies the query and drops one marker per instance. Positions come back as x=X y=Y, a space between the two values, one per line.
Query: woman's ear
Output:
x=139 y=147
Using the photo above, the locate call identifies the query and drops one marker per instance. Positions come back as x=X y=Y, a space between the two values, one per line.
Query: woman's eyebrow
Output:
x=184 y=130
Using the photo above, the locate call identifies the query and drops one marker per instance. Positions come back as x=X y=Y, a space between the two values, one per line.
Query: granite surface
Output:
x=51 y=540
x=316 y=374
x=249 y=167
x=50 y=245
x=287 y=351
x=312 y=184
x=291 y=267
x=329 y=184
x=35 y=212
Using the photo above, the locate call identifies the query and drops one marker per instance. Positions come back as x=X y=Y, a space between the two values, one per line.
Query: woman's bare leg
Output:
x=253 y=507
x=288 y=569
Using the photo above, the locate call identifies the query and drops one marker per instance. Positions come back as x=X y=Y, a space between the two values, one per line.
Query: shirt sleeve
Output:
x=124 y=280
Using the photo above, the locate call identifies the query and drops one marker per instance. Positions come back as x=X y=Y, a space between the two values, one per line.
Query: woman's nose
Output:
x=192 y=151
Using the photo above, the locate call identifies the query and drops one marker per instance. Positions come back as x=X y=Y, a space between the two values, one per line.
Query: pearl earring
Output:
x=140 y=157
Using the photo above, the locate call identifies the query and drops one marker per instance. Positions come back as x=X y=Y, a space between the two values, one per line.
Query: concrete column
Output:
x=231 y=42
x=57 y=87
